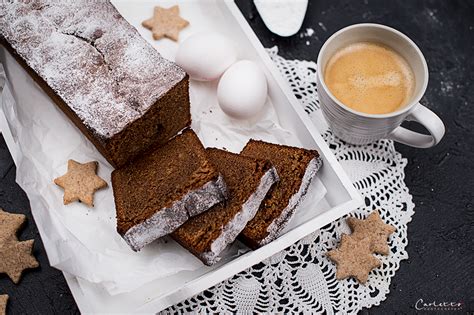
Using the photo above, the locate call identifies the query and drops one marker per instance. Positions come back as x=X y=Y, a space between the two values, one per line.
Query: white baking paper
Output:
x=83 y=241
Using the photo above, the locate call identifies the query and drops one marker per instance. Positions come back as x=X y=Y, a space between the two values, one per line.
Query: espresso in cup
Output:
x=370 y=77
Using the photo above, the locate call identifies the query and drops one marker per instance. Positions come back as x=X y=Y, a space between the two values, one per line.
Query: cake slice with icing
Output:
x=248 y=181
x=296 y=168
x=157 y=193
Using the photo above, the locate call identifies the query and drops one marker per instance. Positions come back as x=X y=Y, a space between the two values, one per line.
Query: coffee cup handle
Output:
x=429 y=120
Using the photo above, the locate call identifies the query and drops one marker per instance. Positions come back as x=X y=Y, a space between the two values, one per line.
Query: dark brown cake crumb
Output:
x=248 y=180
x=160 y=191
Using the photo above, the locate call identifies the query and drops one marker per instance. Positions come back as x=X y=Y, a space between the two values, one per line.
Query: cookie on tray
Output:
x=80 y=182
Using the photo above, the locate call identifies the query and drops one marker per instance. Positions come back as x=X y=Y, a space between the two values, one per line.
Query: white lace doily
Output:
x=301 y=278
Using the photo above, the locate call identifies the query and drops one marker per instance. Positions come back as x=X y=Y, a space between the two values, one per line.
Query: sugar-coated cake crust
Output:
x=296 y=168
x=91 y=57
x=102 y=71
x=231 y=230
x=275 y=228
x=161 y=190
x=168 y=219
x=248 y=181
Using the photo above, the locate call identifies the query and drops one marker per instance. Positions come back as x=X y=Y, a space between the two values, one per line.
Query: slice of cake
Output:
x=248 y=181
x=296 y=168
x=164 y=188
x=115 y=87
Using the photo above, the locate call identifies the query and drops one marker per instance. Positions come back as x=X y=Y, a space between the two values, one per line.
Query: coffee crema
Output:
x=370 y=78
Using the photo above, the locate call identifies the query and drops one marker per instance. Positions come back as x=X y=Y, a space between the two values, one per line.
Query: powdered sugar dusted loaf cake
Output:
x=296 y=168
x=163 y=188
x=114 y=86
x=248 y=181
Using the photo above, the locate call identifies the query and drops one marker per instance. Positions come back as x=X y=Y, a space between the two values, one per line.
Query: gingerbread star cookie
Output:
x=10 y=223
x=165 y=23
x=15 y=255
x=80 y=182
x=3 y=304
x=373 y=228
x=353 y=259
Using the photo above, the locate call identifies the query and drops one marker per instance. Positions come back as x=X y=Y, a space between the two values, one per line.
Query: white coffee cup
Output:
x=362 y=128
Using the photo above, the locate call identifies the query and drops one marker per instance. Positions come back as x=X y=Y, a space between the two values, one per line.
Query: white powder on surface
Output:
x=322 y=26
x=309 y=32
x=446 y=87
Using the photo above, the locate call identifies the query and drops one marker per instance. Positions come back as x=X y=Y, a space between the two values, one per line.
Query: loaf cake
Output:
x=116 y=88
x=163 y=188
x=248 y=181
x=296 y=168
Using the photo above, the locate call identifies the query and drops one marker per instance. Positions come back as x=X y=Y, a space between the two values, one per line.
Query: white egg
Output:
x=206 y=55
x=242 y=90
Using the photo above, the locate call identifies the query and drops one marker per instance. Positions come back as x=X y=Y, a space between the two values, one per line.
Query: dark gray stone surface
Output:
x=441 y=179
x=43 y=290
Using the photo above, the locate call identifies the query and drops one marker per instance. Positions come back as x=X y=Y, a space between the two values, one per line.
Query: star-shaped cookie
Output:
x=375 y=229
x=15 y=257
x=3 y=304
x=80 y=182
x=353 y=258
x=165 y=23
x=10 y=223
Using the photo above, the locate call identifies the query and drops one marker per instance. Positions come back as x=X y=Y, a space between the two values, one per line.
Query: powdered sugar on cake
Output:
x=91 y=57
x=279 y=223
x=237 y=224
x=166 y=220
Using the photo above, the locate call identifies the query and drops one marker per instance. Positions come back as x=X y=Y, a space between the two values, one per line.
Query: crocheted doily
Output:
x=301 y=278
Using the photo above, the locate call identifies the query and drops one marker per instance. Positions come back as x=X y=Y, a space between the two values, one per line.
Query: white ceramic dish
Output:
x=341 y=196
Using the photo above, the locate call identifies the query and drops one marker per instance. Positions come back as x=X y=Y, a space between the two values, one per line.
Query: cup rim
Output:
x=406 y=108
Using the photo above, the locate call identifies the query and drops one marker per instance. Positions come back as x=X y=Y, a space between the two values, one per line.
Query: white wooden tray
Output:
x=341 y=197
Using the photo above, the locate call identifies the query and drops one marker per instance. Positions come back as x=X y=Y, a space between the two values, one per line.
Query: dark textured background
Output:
x=441 y=179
